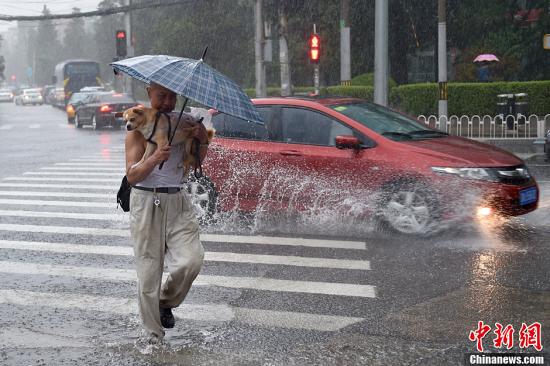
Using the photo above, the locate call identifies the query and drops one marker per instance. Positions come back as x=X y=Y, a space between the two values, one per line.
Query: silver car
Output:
x=6 y=95
x=29 y=96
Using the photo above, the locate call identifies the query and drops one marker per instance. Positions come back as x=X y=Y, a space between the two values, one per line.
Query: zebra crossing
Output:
x=34 y=126
x=68 y=209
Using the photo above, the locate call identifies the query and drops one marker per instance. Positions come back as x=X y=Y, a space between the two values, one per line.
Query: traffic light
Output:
x=121 y=49
x=314 y=48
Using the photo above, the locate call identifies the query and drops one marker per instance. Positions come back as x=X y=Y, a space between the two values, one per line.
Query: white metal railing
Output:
x=488 y=127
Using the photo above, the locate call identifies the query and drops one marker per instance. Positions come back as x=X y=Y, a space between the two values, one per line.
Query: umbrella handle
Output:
x=172 y=137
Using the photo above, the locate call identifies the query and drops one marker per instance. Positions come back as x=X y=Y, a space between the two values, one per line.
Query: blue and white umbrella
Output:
x=193 y=79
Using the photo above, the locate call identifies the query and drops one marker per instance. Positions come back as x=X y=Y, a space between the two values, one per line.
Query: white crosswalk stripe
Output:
x=209 y=256
x=59 y=179
x=204 y=312
x=56 y=194
x=98 y=174
x=64 y=187
x=72 y=186
x=83 y=169
x=256 y=283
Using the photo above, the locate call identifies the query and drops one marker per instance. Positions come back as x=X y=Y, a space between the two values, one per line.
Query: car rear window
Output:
x=116 y=98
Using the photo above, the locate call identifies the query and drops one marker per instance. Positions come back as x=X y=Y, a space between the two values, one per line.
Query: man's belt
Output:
x=160 y=189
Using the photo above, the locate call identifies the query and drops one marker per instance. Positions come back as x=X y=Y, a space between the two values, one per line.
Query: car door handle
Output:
x=290 y=153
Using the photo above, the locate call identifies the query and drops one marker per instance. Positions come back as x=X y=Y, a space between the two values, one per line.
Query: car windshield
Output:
x=76 y=97
x=116 y=98
x=387 y=123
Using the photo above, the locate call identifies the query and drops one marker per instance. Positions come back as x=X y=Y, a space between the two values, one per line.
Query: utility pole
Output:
x=345 y=44
x=258 y=50
x=442 y=56
x=283 y=52
x=381 y=52
x=129 y=45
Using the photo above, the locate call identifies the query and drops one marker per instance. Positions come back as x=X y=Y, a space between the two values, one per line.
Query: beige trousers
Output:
x=164 y=235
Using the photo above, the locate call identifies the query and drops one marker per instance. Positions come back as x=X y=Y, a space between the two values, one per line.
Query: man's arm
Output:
x=137 y=170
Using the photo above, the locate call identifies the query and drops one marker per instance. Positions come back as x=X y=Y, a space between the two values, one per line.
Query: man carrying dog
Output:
x=162 y=222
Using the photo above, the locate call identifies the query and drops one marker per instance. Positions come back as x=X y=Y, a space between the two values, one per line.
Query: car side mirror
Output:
x=347 y=142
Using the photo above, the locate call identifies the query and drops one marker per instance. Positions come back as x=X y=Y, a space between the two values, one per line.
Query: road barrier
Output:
x=488 y=127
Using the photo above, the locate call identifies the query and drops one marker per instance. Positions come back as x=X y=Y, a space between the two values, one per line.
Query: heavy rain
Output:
x=335 y=182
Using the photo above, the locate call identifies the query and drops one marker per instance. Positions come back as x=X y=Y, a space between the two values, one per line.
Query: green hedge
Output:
x=368 y=80
x=470 y=98
x=363 y=92
x=464 y=98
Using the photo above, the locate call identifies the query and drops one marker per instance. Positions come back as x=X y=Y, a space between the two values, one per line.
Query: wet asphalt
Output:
x=411 y=301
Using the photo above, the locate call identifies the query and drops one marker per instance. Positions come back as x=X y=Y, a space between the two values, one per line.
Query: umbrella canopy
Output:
x=486 y=57
x=193 y=79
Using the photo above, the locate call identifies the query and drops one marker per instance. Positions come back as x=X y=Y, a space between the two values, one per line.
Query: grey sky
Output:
x=34 y=7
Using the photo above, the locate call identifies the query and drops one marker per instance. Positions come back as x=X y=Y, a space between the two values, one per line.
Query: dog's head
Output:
x=135 y=118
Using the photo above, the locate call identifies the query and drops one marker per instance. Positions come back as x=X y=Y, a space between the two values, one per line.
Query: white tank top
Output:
x=171 y=174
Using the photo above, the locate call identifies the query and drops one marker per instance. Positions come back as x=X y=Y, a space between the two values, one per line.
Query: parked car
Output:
x=6 y=95
x=346 y=153
x=30 y=96
x=100 y=110
x=76 y=100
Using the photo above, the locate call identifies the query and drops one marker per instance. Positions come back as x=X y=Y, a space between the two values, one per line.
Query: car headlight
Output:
x=467 y=173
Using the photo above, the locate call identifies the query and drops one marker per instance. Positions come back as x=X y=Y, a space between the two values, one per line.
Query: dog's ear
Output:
x=138 y=111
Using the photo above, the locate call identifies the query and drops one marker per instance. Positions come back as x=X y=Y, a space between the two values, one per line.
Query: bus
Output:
x=73 y=75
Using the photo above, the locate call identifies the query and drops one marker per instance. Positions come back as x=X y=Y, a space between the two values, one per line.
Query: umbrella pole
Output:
x=181 y=112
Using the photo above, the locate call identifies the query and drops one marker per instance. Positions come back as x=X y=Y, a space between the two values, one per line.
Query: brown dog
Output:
x=142 y=119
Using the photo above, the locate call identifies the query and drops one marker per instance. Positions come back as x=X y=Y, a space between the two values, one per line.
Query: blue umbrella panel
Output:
x=193 y=79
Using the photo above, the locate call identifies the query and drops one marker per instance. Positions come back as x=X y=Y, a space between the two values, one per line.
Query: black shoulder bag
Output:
x=123 y=195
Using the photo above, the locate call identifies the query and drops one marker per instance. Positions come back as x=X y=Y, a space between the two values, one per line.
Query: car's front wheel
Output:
x=409 y=208
x=203 y=197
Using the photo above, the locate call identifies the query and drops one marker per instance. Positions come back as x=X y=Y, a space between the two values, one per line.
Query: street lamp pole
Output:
x=381 y=52
x=442 y=56
x=258 y=50
x=345 y=48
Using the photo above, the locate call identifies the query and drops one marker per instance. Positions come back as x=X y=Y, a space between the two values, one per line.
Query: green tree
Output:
x=46 y=46
x=77 y=43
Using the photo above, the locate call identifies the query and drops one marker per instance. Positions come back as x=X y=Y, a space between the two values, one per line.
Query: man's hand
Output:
x=161 y=154
x=200 y=133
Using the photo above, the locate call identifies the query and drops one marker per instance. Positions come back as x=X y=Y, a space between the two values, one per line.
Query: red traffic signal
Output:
x=314 y=48
x=121 y=49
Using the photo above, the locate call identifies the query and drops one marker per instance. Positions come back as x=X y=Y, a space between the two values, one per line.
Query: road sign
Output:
x=546 y=41
x=29 y=72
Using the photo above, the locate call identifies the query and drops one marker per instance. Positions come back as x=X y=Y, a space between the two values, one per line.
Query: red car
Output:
x=347 y=155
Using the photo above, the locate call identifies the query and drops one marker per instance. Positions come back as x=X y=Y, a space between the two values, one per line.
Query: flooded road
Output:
x=309 y=290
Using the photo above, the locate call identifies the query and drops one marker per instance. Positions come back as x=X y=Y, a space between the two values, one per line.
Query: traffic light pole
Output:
x=316 y=65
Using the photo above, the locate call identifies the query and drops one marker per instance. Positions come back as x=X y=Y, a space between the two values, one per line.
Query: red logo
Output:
x=529 y=335
x=478 y=334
